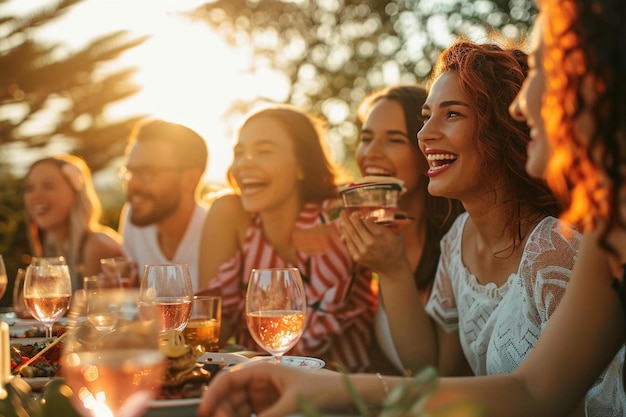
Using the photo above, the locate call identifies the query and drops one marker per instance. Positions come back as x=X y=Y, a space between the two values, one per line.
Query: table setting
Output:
x=125 y=352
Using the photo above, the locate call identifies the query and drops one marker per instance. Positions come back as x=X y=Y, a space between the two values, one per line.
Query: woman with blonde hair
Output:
x=63 y=216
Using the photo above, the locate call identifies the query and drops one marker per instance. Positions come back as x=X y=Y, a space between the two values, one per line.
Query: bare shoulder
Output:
x=227 y=215
x=229 y=208
x=103 y=241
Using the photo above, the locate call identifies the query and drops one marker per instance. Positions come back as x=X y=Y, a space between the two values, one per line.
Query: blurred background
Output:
x=75 y=75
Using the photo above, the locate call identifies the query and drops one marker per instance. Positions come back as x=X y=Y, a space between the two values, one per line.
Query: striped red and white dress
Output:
x=339 y=294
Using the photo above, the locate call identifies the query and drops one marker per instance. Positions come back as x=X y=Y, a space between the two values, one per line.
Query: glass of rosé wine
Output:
x=169 y=285
x=47 y=290
x=115 y=371
x=276 y=309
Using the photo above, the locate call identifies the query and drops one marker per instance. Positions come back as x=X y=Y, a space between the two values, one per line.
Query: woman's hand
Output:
x=271 y=390
x=376 y=246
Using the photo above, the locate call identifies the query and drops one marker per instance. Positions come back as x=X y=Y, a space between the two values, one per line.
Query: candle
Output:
x=5 y=358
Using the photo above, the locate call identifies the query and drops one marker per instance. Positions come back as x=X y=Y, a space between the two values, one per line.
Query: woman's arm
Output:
x=419 y=342
x=582 y=337
x=105 y=243
x=222 y=236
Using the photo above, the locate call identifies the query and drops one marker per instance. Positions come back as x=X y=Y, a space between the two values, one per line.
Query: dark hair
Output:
x=584 y=47
x=307 y=133
x=190 y=149
x=439 y=212
x=491 y=77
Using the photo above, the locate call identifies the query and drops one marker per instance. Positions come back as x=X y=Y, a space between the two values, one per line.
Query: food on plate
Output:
x=184 y=376
x=46 y=365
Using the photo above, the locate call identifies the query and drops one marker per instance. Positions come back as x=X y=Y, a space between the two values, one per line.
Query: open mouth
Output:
x=251 y=185
x=438 y=161
x=378 y=172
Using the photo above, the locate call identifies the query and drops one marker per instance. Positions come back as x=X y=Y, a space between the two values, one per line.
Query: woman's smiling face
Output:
x=527 y=107
x=447 y=140
x=385 y=147
x=265 y=166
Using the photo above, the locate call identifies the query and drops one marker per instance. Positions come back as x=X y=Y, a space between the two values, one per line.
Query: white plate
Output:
x=229 y=359
x=168 y=408
x=302 y=362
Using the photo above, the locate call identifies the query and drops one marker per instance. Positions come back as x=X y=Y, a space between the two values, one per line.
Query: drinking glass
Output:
x=101 y=304
x=47 y=290
x=203 y=328
x=124 y=267
x=3 y=278
x=115 y=372
x=170 y=287
x=18 y=295
x=276 y=309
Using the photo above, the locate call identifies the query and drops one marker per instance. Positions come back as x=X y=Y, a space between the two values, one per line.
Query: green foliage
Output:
x=334 y=52
x=48 y=95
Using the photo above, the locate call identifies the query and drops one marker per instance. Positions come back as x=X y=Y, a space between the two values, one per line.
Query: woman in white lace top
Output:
x=505 y=262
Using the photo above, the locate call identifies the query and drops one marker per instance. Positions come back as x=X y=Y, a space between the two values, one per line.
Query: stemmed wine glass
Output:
x=170 y=287
x=276 y=309
x=115 y=371
x=102 y=307
x=47 y=290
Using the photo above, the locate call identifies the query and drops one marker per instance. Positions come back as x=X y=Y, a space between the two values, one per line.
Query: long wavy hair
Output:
x=84 y=216
x=439 y=212
x=491 y=76
x=307 y=132
x=585 y=106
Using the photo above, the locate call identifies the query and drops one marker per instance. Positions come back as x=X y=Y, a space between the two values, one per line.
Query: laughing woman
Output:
x=63 y=213
x=280 y=218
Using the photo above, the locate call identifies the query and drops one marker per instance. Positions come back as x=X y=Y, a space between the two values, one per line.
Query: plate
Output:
x=167 y=408
x=38 y=384
x=230 y=359
x=302 y=362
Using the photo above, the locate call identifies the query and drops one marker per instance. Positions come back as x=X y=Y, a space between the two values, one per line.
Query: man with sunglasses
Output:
x=163 y=217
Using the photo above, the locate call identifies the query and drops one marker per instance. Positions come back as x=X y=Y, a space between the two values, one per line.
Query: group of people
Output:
x=504 y=278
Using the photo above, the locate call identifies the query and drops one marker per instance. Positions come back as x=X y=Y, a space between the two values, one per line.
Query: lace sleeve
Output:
x=442 y=305
x=549 y=261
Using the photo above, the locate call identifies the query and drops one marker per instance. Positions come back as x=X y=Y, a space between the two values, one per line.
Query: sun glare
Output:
x=187 y=74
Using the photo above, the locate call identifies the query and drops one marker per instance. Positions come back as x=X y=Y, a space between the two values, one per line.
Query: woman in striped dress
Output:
x=281 y=217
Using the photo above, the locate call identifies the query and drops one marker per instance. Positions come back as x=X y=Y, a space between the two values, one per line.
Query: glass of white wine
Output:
x=115 y=371
x=276 y=309
x=47 y=290
x=169 y=285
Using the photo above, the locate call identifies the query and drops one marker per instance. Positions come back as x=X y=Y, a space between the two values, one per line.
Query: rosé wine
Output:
x=47 y=308
x=117 y=382
x=277 y=331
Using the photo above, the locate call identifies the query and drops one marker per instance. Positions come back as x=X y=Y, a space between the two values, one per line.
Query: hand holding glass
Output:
x=170 y=287
x=47 y=290
x=276 y=309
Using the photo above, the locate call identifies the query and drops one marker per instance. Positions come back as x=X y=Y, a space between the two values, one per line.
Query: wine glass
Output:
x=123 y=266
x=102 y=307
x=3 y=278
x=170 y=287
x=47 y=290
x=115 y=371
x=276 y=309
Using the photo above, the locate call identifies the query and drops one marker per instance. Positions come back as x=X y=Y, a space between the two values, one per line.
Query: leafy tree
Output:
x=51 y=95
x=334 y=52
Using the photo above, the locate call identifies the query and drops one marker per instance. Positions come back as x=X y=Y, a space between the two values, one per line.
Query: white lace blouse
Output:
x=498 y=326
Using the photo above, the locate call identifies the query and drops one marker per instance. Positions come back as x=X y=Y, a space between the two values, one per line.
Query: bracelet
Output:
x=383 y=383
